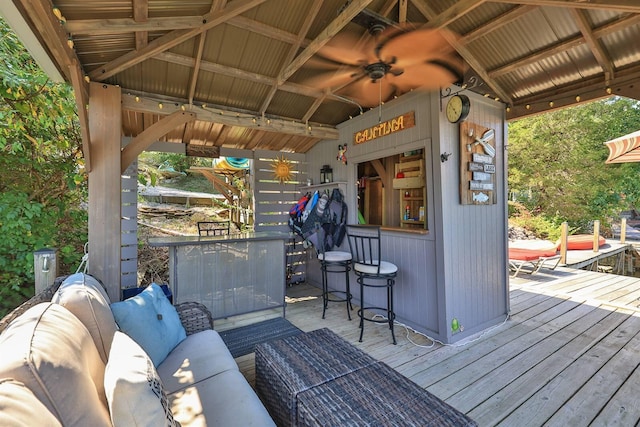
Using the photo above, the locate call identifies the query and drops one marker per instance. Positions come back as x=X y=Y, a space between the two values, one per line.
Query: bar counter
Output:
x=234 y=274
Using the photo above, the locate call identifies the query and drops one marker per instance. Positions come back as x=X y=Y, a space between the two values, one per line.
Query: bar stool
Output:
x=333 y=262
x=364 y=242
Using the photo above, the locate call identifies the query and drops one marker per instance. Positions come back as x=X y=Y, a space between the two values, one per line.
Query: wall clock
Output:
x=458 y=108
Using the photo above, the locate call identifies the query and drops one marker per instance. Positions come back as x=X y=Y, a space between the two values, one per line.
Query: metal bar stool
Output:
x=333 y=262
x=364 y=242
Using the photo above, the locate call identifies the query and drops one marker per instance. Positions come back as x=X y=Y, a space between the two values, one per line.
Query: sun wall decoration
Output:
x=282 y=169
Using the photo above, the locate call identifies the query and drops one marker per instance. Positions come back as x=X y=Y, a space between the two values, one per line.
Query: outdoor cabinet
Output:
x=410 y=181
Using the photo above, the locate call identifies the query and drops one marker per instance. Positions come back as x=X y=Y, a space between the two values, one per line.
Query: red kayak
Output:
x=582 y=241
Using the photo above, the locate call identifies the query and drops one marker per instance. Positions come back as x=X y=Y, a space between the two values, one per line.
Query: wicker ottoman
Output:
x=289 y=366
x=375 y=395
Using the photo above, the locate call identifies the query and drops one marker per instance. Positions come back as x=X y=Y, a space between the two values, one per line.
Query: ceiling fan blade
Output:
x=368 y=93
x=414 y=47
x=347 y=48
x=336 y=78
x=427 y=76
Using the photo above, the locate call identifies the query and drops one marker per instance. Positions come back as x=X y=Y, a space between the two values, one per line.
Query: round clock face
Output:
x=457 y=108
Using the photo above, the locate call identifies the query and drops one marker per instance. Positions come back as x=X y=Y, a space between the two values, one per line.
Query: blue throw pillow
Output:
x=151 y=321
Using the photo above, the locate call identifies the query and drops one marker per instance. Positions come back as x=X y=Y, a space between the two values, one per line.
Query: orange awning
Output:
x=624 y=149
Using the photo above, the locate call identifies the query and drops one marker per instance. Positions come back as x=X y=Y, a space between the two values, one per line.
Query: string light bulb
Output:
x=56 y=12
x=528 y=106
x=70 y=42
x=137 y=99
x=608 y=90
x=577 y=98
x=550 y=103
x=160 y=105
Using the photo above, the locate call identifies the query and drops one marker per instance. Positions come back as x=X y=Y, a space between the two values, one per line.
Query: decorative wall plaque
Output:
x=477 y=165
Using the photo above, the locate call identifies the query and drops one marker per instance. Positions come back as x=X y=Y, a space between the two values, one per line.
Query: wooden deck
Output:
x=567 y=356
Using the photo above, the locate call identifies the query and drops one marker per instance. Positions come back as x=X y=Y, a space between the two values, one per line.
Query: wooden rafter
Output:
x=141 y=14
x=402 y=11
x=630 y=6
x=230 y=118
x=171 y=39
x=81 y=92
x=496 y=23
x=325 y=35
x=593 y=43
x=152 y=134
x=384 y=11
x=563 y=46
x=311 y=15
x=448 y=16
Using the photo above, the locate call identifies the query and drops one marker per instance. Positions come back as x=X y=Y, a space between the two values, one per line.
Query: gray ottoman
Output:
x=289 y=366
x=375 y=395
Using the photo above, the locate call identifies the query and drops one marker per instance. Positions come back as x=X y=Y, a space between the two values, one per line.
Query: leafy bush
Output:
x=42 y=182
x=541 y=226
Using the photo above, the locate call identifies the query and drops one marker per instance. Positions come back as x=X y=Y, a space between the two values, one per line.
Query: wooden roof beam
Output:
x=152 y=134
x=320 y=98
x=349 y=12
x=496 y=23
x=242 y=74
x=230 y=118
x=311 y=16
x=630 y=6
x=171 y=39
x=593 y=43
x=141 y=14
x=564 y=46
x=81 y=92
x=445 y=18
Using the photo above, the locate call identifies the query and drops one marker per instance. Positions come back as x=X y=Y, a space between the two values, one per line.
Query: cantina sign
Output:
x=396 y=124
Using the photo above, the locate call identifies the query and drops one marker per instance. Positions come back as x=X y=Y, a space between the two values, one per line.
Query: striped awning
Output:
x=624 y=149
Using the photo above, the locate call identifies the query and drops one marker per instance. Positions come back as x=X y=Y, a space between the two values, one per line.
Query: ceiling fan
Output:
x=391 y=60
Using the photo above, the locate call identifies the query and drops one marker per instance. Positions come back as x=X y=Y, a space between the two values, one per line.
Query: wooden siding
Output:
x=458 y=269
x=273 y=201
x=473 y=236
x=272 y=198
x=129 y=237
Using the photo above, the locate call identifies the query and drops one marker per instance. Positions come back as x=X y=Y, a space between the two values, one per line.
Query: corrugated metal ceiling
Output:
x=527 y=54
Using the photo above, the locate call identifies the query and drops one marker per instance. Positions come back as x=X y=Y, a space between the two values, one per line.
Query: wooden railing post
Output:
x=564 y=236
x=596 y=235
x=45 y=268
x=623 y=230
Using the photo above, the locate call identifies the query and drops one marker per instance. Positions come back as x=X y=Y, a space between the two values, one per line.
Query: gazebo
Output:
x=235 y=78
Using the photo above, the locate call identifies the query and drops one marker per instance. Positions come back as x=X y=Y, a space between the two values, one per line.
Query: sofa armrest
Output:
x=195 y=317
x=43 y=296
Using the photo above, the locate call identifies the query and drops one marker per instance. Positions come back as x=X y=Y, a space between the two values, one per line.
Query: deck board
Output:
x=569 y=354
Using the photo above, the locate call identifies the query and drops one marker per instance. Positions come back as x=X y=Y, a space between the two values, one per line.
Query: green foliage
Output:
x=556 y=163
x=42 y=184
x=543 y=227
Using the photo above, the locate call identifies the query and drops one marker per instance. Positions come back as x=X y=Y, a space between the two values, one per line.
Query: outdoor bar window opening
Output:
x=392 y=191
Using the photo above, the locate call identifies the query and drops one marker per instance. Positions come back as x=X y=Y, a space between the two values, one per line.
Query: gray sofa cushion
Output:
x=226 y=399
x=84 y=296
x=49 y=350
x=196 y=358
x=19 y=407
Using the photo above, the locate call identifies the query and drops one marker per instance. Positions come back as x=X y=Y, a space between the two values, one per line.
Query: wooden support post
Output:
x=45 y=268
x=564 y=236
x=623 y=230
x=596 y=235
x=105 y=125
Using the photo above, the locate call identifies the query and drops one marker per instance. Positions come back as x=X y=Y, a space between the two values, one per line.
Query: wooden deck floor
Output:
x=567 y=356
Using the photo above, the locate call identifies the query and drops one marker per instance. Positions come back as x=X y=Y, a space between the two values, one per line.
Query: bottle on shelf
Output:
x=407 y=213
